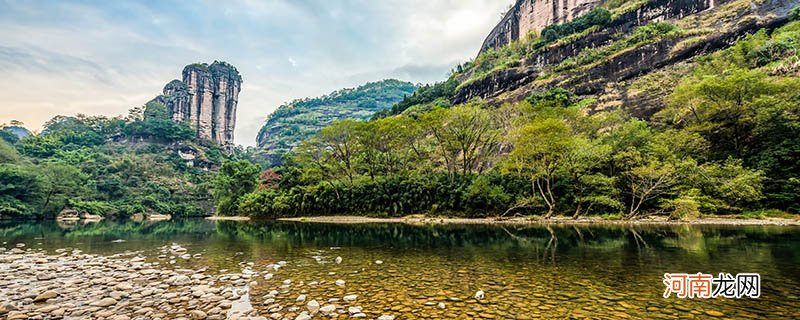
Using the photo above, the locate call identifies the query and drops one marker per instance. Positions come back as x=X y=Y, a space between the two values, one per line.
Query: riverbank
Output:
x=67 y=283
x=420 y=219
x=228 y=218
x=70 y=284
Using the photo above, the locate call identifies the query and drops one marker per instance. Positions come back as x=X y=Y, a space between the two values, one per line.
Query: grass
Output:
x=768 y=213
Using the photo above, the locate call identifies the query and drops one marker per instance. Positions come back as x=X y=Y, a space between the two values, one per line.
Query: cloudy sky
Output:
x=105 y=57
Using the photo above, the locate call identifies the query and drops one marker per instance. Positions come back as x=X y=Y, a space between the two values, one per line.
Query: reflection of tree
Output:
x=616 y=247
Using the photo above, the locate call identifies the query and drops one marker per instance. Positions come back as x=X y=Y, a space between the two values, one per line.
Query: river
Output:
x=434 y=271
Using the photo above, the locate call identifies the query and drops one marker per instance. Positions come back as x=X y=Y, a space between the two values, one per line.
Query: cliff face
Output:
x=614 y=62
x=532 y=16
x=206 y=100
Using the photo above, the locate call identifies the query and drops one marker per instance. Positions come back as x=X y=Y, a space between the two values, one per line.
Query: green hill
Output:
x=141 y=163
x=301 y=119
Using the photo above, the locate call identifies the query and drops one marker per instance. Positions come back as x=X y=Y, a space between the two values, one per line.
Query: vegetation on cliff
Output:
x=141 y=163
x=301 y=119
x=725 y=143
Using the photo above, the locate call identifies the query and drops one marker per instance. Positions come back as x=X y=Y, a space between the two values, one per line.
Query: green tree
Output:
x=466 y=137
x=540 y=151
x=21 y=190
x=234 y=180
x=61 y=182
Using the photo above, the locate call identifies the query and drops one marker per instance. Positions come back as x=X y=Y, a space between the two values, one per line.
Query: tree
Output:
x=155 y=123
x=540 y=151
x=61 y=182
x=8 y=136
x=722 y=107
x=340 y=141
x=583 y=160
x=8 y=154
x=466 y=137
x=234 y=180
x=20 y=190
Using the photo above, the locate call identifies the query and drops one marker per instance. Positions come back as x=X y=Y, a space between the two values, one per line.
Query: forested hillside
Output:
x=301 y=119
x=718 y=133
x=140 y=163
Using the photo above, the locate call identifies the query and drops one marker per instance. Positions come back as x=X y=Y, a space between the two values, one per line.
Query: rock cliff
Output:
x=527 y=16
x=206 y=100
x=627 y=61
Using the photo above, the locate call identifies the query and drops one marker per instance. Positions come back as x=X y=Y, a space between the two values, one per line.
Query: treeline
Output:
x=727 y=143
x=107 y=166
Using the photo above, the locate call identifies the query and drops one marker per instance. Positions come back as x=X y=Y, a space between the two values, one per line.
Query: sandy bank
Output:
x=556 y=220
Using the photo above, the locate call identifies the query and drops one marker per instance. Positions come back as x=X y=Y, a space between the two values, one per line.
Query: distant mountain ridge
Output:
x=302 y=118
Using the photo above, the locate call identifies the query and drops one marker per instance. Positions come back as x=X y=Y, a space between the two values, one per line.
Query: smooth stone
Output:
x=312 y=306
x=47 y=295
x=105 y=302
x=327 y=309
x=350 y=298
x=198 y=315
x=303 y=316
x=353 y=310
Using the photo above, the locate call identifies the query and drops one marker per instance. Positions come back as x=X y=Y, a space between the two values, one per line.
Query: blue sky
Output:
x=105 y=57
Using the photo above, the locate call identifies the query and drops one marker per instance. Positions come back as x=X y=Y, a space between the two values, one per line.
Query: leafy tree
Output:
x=234 y=180
x=60 y=183
x=8 y=136
x=21 y=190
x=540 y=150
x=466 y=137
x=8 y=154
x=156 y=124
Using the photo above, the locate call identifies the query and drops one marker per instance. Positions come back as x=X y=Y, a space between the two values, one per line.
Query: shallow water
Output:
x=526 y=272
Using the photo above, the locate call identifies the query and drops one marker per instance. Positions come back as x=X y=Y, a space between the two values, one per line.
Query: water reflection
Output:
x=558 y=271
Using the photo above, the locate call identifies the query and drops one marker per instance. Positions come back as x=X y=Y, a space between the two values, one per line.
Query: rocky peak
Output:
x=206 y=100
x=527 y=16
x=607 y=62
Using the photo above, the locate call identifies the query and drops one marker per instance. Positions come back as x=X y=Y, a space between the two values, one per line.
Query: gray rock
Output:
x=312 y=306
x=198 y=315
x=105 y=302
x=47 y=295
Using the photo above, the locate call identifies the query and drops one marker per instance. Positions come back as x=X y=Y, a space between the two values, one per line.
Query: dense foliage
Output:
x=107 y=166
x=727 y=143
x=301 y=119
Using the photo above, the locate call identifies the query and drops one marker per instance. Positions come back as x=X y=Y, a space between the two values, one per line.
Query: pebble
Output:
x=47 y=295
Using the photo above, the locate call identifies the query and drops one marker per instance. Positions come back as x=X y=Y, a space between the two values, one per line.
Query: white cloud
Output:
x=70 y=57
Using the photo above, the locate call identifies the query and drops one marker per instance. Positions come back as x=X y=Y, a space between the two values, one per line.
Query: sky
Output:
x=106 y=57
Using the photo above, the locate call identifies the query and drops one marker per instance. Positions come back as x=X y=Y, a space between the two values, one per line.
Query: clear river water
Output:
x=598 y=271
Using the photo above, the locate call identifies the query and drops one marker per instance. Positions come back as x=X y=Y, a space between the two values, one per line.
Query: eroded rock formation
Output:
x=532 y=16
x=708 y=25
x=206 y=100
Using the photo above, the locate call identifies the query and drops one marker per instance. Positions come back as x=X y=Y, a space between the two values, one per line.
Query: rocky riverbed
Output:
x=70 y=284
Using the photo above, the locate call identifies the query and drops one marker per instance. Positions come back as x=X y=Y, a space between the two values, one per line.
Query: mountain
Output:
x=679 y=108
x=622 y=53
x=206 y=100
x=18 y=131
x=300 y=119
x=158 y=158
